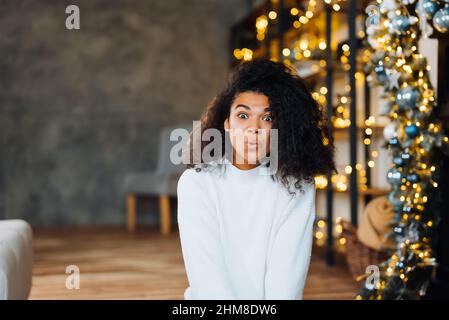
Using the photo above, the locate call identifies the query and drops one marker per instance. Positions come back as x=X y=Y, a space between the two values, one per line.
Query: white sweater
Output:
x=242 y=235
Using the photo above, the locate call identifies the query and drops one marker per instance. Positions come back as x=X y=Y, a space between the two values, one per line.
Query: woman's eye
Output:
x=242 y=116
x=268 y=118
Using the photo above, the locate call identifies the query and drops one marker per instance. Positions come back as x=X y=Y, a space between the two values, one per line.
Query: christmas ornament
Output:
x=380 y=73
x=398 y=161
x=390 y=131
x=407 y=98
x=398 y=24
x=413 y=177
x=433 y=12
x=441 y=20
x=412 y=130
x=430 y=7
x=394 y=177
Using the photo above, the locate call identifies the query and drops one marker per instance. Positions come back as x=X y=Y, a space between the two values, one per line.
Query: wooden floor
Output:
x=116 y=265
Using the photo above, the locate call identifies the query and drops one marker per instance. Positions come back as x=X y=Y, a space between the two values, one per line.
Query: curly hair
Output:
x=305 y=145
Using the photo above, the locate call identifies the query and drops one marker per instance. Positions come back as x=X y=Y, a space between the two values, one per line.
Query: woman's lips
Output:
x=253 y=145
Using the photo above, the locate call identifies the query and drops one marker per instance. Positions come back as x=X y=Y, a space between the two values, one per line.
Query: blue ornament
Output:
x=406 y=157
x=372 y=20
x=394 y=199
x=398 y=161
x=394 y=142
x=402 y=159
x=441 y=20
x=380 y=73
x=407 y=98
x=394 y=177
x=407 y=210
x=412 y=130
x=413 y=177
x=398 y=230
x=430 y=7
x=399 y=24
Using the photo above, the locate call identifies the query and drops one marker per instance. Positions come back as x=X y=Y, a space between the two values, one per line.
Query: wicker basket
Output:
x=359 y=256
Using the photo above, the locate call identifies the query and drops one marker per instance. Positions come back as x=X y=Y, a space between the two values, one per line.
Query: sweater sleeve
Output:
x=289 y=258
x=200 y=240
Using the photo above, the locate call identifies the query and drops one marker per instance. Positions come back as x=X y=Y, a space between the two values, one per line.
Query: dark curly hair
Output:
x=305 y=146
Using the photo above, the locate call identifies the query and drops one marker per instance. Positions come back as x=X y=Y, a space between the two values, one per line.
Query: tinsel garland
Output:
x=415 y=139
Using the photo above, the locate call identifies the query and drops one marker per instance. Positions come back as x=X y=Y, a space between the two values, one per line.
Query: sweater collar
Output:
x=260 y=170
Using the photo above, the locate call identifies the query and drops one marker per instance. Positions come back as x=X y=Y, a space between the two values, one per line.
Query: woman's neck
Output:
x=244 y=166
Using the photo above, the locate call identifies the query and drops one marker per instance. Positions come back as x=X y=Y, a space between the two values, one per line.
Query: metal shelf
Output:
x=281 y=35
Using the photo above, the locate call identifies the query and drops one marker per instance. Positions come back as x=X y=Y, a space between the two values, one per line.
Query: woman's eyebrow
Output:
x=249 y=108
x=243 y=106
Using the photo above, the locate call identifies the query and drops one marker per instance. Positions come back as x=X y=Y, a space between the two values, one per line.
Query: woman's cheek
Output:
x=237 y=140
x=264 y=137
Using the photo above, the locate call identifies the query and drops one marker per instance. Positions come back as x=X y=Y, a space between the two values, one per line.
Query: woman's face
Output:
x=249 y=124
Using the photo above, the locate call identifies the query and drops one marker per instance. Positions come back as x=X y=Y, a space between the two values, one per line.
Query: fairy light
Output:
x=322 y=45
x=261 y=27
x=320 y=182
x=243 y=54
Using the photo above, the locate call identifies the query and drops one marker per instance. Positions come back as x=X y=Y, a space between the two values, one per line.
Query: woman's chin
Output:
x=251 y=157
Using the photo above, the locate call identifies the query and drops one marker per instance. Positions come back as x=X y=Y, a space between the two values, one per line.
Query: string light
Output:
x=243 y=54
x=334 y=4
x=261 y=27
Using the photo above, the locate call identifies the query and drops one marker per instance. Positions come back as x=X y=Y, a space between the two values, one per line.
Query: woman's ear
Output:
x=226 y=124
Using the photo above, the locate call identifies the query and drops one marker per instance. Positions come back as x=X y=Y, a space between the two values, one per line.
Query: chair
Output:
x=162 y=183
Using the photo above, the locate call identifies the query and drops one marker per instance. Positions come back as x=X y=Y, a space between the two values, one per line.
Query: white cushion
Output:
x=16 y=255
x=9 y=275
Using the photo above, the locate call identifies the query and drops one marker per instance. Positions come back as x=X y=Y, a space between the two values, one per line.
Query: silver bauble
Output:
x=441 y=20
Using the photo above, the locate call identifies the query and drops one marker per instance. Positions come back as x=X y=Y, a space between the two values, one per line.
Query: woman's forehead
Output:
x=251 y=100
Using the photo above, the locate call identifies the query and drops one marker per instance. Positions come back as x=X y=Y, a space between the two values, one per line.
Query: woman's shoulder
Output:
x=188 y=177
x=300 y=186
x=302 y=200
x=196 y=177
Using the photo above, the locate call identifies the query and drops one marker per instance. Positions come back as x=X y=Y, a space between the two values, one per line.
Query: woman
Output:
x=246 y=232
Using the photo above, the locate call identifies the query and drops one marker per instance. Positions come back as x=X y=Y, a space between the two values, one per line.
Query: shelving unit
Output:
x=284 y=40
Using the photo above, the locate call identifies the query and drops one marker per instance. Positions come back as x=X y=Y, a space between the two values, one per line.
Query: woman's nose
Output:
x=253 y=126
x=252 y=129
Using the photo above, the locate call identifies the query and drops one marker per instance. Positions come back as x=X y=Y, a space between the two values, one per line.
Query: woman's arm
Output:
x=289 y=258
x=200 y=240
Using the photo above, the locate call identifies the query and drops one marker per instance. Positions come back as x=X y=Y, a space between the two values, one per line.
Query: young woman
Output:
x=246 y=232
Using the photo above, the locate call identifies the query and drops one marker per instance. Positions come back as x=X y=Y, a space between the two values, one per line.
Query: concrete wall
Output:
x=81 y=108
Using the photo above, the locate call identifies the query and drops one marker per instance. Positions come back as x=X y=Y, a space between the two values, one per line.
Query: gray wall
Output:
x=79 y=109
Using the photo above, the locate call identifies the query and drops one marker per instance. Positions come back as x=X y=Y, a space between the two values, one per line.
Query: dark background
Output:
x=81 y=108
